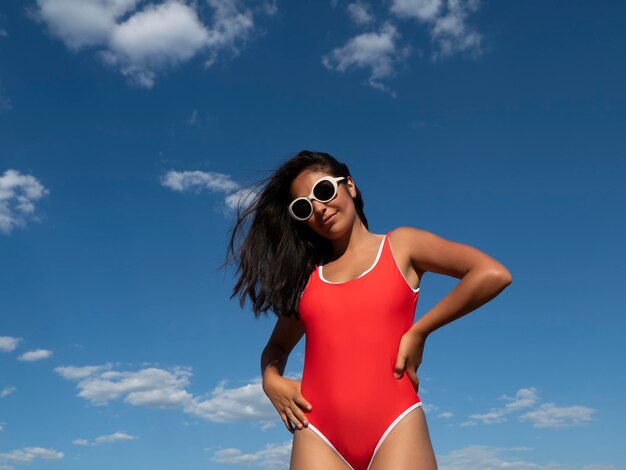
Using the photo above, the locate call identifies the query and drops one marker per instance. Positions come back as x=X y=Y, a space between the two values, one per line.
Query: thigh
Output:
x=407 y=446
x=310 y=452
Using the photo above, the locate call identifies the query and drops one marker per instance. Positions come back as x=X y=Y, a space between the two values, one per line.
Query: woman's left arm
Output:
x=482 y=279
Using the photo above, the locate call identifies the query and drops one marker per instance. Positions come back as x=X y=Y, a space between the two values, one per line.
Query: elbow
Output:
x=505 y=277
x=501 y=275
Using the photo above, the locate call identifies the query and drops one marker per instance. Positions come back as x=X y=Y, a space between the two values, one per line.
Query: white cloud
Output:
x=229 y=27
x=75 y=373
x=240 y=199
x=359 y=13
x=494 y=416
x=35 y=355
x=150 y=387
x=169 y=32
x=3 y=33
x=7 y=391
x=445 y=415
x=107 y=439
x=486 y=457
x=82 y=23
x=550 y=416
x=197 y=181
x=272 y=457
x=28 y=454
x=160 y=388
x=269 y=7
x=7 y=343
x=546 y=416
x=143 y=43
x=493 y=458
x=424 y=10
x=18 y=193
x=449 y=30
x=376 y=51
x=247 y=402
x=428 y=407
x=381 y=53
x=523 y=398
x=277 y=456
x=118 y=436
x=159 y=36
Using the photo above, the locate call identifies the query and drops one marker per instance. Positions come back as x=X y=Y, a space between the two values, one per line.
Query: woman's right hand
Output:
x=287 y=399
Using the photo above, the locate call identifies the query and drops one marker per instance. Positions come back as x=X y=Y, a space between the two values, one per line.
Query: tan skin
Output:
x=354 y=248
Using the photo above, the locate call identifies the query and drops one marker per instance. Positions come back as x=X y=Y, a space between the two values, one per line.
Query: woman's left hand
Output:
x=410 y=356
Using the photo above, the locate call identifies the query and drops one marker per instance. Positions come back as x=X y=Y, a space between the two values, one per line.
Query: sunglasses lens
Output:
x=302 y=208
x=324 y=190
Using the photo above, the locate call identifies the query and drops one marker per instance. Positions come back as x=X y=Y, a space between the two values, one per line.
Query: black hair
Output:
x=278 y=254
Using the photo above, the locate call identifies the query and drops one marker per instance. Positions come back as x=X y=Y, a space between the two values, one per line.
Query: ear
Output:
x=351 y=186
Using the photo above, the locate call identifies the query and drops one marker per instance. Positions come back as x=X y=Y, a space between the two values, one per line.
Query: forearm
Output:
x=476 y=288
x=273 y=362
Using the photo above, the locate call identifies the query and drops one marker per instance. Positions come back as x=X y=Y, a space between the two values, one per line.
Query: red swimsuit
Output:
x=353 y=331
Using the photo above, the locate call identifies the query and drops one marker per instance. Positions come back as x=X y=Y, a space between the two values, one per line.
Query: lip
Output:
x=328 y=218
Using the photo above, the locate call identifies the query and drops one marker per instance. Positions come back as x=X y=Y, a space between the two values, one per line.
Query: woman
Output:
x=309 y=256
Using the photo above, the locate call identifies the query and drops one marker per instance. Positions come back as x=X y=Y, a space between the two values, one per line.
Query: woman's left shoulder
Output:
x=407 y=235
x=412 y=243
x=419 y=242
x=431 y=252
x=404 y=239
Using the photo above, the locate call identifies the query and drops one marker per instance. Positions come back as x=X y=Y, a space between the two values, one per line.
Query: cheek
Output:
x=311 y=225
x=346 y=205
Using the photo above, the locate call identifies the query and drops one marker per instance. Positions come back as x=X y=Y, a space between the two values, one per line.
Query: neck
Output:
x=350 y=241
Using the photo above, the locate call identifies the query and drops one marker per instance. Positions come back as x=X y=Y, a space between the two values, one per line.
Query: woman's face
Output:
x=339 y=211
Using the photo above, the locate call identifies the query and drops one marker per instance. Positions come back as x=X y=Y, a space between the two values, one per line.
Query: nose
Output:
x=318 y=207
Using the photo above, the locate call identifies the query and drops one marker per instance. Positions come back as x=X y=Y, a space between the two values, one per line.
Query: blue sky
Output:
x=130 y=128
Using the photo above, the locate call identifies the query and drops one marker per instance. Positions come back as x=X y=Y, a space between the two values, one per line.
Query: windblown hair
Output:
x=278 y=254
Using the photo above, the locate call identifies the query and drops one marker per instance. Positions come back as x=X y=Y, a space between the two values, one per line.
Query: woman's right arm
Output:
x=287 y=333
x=283 y=392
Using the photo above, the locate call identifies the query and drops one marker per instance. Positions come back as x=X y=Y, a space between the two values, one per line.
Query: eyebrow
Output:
x=305 y=195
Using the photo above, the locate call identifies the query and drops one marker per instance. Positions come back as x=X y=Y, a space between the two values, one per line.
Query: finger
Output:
x=302 y=402
x=300 y=414
x=399 y=368
x=287 y=423
x=293 y=418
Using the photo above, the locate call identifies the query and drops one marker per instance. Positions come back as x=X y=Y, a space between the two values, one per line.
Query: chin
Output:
x=335 y=231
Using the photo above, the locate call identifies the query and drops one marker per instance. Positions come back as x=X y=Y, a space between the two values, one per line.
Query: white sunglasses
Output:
x=324 y=190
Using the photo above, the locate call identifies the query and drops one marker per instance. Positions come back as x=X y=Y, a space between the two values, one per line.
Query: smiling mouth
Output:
x=328 y=218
